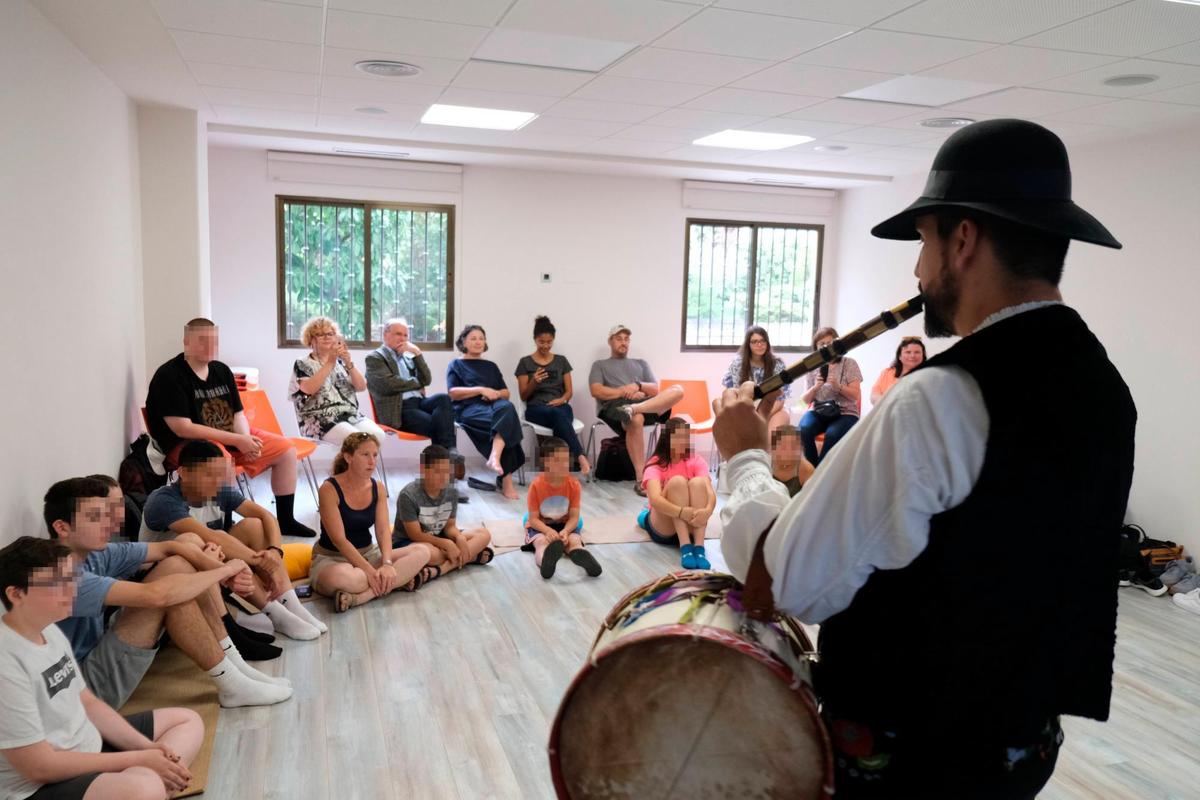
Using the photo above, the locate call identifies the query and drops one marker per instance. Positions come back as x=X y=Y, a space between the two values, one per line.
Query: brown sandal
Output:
x=485 y=556
x=343 y=601
x=423 y=577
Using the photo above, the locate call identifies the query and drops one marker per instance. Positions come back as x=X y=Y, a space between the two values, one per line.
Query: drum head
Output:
x=674 y=717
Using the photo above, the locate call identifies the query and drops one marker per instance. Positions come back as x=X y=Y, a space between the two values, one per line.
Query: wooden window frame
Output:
x=367 y=207
x=754 y=226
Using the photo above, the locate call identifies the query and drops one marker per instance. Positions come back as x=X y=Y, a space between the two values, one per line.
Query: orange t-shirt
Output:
x=887 y=379
x=553 y=503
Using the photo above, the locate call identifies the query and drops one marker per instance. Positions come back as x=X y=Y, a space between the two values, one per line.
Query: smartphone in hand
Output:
x=304 y=591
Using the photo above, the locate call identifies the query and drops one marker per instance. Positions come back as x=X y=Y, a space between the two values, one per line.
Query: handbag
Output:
x=827 y=409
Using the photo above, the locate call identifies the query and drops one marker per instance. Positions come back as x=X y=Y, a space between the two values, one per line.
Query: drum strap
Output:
x=757 y=598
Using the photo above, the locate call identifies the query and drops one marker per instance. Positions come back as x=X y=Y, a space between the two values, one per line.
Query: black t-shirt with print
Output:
x=176 y=391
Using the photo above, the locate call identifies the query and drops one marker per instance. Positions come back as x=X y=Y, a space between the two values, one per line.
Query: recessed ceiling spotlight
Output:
x=387 y=69
x=1130 y=80
x=946 y=122
x=371 y=110
x=831 y=148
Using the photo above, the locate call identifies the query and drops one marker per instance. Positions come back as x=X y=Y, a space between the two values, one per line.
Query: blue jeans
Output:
x=559 y=419
x=811 y=425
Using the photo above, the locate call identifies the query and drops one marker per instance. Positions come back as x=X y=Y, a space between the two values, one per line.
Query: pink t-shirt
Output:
x=692 y=467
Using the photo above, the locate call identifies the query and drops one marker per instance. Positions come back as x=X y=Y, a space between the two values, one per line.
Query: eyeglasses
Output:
x=325 y=334
x=758 y=341
x=51 y=583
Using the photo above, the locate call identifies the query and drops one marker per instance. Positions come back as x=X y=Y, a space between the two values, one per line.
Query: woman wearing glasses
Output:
x=325 y=386
x=755 y=362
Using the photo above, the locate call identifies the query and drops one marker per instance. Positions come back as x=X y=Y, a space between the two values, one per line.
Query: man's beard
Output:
x=941 y=304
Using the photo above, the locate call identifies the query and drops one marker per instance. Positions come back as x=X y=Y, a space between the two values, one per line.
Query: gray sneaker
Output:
x=1177 y=570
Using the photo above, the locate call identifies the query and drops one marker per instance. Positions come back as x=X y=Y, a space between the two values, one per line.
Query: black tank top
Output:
x=356 y=522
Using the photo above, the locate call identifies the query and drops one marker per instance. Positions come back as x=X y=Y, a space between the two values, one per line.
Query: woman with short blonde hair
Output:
x=325 y=385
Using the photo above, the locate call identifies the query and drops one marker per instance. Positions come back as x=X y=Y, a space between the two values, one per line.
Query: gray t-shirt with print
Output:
x=614 y=372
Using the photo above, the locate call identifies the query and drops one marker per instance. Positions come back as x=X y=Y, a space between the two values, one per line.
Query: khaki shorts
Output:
x=322 y=558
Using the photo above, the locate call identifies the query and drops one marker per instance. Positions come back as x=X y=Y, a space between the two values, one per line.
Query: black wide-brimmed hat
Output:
x=1008 y=168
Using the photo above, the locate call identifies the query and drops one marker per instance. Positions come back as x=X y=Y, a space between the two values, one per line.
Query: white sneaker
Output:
x=1189 y=601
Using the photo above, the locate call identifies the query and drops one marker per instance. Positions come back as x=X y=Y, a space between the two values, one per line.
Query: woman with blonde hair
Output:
x=347 y=565
x=325 y=385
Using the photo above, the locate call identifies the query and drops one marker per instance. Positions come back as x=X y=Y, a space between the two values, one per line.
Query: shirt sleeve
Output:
x=731 y=374
x=576 y=493
x=697 y=467
x=406 y=507
x=453 y=379
x=229 y=498
x=497 y=377
x=652 y=473
x=868 y=506
x=21 y=722
x=534 y=500
x=91 y=590
x=595 y=374
x=301 y=370
x=169 y=394
x=566 y=365
x=163 y=508
x=851 y=372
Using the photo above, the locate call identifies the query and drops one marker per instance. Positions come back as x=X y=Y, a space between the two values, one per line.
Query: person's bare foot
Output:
x=507 y=488
x=493 y=464
x=584 y=466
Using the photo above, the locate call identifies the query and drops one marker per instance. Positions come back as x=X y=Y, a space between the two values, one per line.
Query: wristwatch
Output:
x=387 y=561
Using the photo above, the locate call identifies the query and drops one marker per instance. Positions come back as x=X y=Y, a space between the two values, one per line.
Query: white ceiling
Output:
x=283 y=72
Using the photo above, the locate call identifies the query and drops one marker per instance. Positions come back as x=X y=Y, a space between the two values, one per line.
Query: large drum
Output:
x=685 y=697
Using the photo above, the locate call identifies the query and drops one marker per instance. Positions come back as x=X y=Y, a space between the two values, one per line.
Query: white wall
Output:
x=1140 y=301
x=174 y=191
x=614 y=247
x=72 y=296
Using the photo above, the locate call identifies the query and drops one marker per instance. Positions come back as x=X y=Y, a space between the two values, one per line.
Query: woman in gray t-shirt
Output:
x=544 y=381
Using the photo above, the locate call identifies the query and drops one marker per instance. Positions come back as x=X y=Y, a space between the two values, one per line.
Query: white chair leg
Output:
x=383 y=475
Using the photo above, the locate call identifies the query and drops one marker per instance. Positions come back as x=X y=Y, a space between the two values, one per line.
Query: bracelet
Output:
x=386 y=561
x=276 y=549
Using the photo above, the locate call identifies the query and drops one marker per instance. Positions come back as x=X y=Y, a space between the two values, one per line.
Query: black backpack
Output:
x=614 y=463
x=135 y=475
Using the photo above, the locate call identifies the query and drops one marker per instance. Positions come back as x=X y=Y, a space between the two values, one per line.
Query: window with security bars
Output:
x=748 y=273
x=363 y=263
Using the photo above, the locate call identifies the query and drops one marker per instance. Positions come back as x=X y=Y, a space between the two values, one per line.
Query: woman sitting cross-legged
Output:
x=346 y=564
x=681 y=495
x=482 y=408
x=325 y=385
x=544 y=381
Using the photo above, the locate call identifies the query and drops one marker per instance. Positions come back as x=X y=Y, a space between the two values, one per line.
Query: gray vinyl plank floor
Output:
x=450 y=693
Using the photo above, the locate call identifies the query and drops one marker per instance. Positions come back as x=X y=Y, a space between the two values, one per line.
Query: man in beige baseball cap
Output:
x=628 y=397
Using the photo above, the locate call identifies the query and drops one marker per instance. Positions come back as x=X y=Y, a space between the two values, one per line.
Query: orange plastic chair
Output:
x=390 y=431
x=259 y=413
x=239 y=473
x=695 y=404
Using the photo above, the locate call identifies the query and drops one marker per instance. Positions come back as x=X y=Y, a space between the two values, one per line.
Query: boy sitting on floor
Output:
x=58 y=741
x=425 y=515
x=202 y=503
x=553 y=523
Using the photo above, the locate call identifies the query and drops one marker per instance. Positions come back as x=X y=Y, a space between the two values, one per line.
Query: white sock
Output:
x=231 y=653
x=292 y=603
x=259 y=622
x=289 y=624
x=235 y=689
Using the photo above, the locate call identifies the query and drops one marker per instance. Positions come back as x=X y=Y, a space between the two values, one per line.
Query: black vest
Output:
x=1008 y=617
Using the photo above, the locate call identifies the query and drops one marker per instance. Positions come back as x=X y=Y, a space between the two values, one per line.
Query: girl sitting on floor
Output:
x=681 y=495
x=553 y=524
x=788 y=464
x=347 y=565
